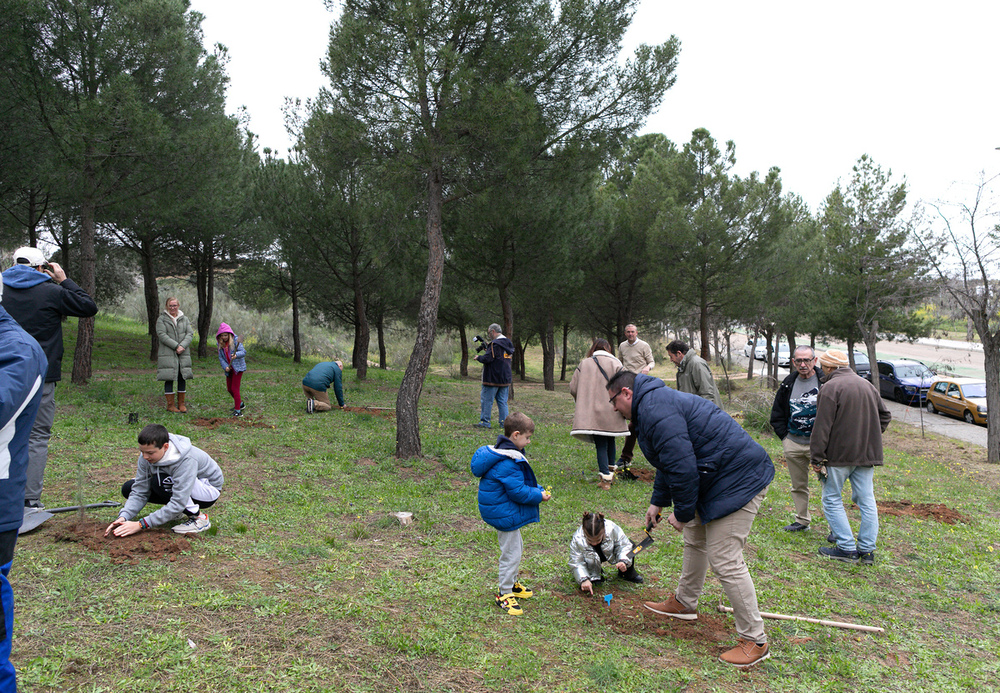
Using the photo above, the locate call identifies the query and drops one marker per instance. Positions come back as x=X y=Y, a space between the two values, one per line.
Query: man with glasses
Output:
x=715 y=476
x=792 y=417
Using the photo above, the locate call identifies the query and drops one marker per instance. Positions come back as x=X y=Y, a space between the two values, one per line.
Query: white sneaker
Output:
x=194 y=524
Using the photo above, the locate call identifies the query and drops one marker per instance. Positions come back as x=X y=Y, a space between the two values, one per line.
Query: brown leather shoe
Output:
x=672 y=608
x=745 y=654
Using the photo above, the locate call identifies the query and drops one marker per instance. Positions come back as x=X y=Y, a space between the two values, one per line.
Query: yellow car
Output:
x=961 y=397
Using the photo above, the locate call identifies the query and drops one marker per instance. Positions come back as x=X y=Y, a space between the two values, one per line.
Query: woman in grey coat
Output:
x=173 y=360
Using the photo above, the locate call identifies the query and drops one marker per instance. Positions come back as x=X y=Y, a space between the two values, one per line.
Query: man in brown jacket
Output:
x=847 y=439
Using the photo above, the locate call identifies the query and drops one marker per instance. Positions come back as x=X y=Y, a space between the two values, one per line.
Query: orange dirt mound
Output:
x=924 y=511
x=217 y=421
x=377 y=411
x=149 y=544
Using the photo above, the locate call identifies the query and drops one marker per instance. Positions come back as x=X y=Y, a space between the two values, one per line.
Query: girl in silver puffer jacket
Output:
x=595 y=542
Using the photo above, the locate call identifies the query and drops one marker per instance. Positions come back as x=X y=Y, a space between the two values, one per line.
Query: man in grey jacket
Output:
x=175 y=474
x=847 y=438
x=693 y=373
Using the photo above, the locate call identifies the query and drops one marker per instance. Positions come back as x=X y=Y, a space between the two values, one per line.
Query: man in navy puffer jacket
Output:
x=715 y=476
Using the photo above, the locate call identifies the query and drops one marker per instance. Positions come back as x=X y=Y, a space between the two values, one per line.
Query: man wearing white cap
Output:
x=37 y=294
x=847 y=439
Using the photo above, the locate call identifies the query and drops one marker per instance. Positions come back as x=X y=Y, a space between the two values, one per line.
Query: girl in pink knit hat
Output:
x=232 y=357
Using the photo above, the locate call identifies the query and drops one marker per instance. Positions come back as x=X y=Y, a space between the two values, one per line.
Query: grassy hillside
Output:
x=307 y=583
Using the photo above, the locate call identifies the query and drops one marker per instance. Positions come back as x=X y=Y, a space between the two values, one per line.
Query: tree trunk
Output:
x=380 y=326
x=151 y=293
x=205 y=280
x=362 y=334
x=562 y=376
x=88 y=261
x=296 y=335
x=871 y=337
x=703 y=327
x=408 y=396
x=991 y=361
x=548 y=353
x=463 y=365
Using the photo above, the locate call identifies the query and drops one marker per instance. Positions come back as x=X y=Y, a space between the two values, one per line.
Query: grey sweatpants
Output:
x=511 y=548
x=38 y=443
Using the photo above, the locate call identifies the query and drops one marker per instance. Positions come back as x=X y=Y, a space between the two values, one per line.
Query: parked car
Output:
x=862 y=366
x=758 y=348
x=783 y=357
x=905 y=380
x=961 y=397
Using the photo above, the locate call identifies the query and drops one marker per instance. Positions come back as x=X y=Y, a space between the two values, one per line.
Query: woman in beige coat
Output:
x=173 y=360
x=594 y=419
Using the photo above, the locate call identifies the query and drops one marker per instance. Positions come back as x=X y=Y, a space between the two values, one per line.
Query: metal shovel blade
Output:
x=641 y=546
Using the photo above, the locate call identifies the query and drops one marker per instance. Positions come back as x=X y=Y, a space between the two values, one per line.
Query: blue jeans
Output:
x=486 y=397
x=863 y=493
x=605 y=452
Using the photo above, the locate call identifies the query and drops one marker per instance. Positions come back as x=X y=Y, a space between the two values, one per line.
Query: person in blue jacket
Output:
x=22 y=378
x=509 y=496
x=715 y=476
x=318 y=381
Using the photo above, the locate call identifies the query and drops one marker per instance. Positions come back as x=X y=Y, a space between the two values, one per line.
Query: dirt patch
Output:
x=644 y=474
x=242 y=421
x=377 y=411
x=151 y=544
x=924 y=511
x=627 y=615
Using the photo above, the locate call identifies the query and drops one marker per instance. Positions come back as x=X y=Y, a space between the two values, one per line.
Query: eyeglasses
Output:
x=612 y=400
x=802 y=362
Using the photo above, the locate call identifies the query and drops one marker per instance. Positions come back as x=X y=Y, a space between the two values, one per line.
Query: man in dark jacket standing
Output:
x=37 y=294
x=792 y=416
x=22 y=375
x=497 y=376
x=715 y=476
x=847 y=438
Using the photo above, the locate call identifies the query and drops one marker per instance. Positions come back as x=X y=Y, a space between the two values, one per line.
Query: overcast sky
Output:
x=805 y=86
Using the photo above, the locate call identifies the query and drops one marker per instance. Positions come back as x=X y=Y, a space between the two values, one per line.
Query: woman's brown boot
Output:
x=180 y=403
x=170 y=403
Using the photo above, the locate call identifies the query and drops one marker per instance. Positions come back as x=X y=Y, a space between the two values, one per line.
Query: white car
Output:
x=759 y=351
x=782 y=356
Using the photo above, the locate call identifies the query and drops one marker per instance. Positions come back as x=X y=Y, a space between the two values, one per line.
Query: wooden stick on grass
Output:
x=835 y=624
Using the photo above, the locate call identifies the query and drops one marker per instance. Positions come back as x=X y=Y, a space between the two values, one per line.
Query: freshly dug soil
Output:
x=924 y=511
x=627 y=615
x=217 y=421
x=387 y=413
x=150 y=544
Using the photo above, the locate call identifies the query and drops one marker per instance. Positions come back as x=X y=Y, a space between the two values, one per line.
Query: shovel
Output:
x=34 y=516
x=644 y=544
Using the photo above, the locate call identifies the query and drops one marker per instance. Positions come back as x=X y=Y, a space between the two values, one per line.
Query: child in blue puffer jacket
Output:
x=509 y=497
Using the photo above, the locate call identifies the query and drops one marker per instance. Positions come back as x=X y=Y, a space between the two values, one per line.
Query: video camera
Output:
x=480 y=344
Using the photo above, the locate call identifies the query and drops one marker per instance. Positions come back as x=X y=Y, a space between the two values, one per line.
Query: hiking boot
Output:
x=521 y=592
x=631 y=575
x=838 y=554
x=194 y=524
x=508 y=602
x=482 y=424
x=745 y=654
x=672 y=608
x=866 y=557
x=795 y=527
x=310 y=406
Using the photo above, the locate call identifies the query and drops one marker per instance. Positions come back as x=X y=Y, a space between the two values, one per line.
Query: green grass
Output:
x=309 y=584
